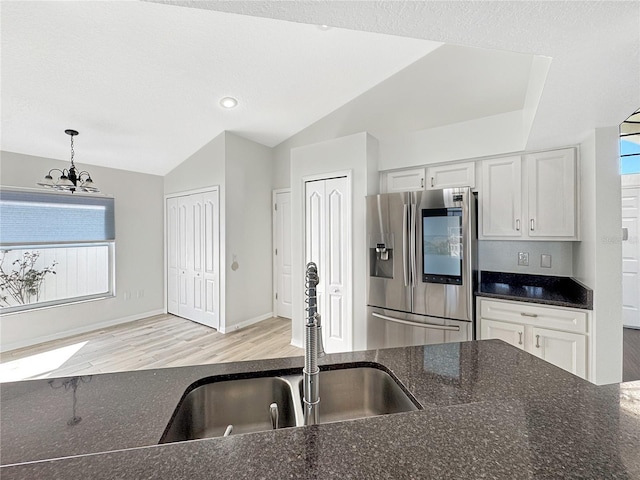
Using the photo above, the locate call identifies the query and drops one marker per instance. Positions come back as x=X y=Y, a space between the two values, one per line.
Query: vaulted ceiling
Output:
x=142 y=81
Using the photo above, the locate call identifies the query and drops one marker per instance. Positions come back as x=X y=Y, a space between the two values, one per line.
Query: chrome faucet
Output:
x=313 y=348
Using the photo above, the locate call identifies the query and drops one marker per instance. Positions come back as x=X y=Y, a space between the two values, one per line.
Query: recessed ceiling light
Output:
x=228 y=102
x=324 y=27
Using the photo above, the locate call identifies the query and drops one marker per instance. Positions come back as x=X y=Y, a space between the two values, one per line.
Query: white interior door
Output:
x=328 y=210
x=193 y=307
x=630 y=258
x=282 y=254
x=211 y=259
x=193 y=257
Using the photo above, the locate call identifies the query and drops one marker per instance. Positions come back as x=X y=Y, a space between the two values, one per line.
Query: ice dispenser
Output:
x=381 y=255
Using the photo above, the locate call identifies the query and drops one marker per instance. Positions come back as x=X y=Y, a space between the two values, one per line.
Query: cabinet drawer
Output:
x=555 y=318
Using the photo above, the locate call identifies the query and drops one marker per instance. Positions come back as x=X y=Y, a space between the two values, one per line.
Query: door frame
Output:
x=274 y=196
x=349 y=254
x=221 y=281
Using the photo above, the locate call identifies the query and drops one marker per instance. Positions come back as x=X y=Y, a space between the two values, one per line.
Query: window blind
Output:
x=33 y=217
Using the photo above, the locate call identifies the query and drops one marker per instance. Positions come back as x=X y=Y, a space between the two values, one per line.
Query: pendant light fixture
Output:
x=70 y=180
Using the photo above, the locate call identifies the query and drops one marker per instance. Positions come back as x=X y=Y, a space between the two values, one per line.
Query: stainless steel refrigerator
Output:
x=421 y=267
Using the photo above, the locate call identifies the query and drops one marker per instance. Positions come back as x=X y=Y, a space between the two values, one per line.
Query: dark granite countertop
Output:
x=490 y=411
x=543 y=289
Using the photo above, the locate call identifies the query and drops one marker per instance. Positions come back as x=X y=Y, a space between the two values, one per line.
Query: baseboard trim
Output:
x=77 y=331
x=246 y=323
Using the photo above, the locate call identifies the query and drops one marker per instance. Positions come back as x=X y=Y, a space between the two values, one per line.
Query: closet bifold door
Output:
x=193 y=230
x=327 y=204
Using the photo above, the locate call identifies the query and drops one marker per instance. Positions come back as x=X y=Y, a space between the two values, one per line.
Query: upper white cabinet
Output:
x=452 y=175
x=552 y=194
x=501 y=198
x=430 y=178
x=533 y=197
x=404 y=180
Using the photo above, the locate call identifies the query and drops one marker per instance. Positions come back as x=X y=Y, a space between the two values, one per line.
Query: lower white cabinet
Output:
x=557 y=335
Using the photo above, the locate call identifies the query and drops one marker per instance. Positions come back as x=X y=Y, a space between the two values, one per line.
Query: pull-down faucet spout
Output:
x=313 y=348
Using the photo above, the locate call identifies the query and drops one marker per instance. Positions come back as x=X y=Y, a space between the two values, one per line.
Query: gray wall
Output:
x=502 y=256
x=139 y=254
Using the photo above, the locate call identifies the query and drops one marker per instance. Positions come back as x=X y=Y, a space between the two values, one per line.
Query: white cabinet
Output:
x=533 y=197
x=405 y=180
x=511 y=333
x=564 y=349
x=430 y=178
x=451 y=175
x=551 y=181
x=501 y=198
x=193 y=258
x=557 y=335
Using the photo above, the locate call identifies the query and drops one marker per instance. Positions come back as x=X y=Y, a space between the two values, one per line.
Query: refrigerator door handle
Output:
x=454 y=328
x=404 y=244
x=412 y=249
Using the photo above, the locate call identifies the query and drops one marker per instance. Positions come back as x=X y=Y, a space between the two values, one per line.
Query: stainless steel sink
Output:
x=347 y=392
x=207 y=410
x=350 y=393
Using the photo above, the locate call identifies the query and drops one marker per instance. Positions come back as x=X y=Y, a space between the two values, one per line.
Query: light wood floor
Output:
x=155 y=342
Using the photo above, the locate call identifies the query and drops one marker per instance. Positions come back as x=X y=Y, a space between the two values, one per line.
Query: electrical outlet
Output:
x=545 y=260
x=523 y=259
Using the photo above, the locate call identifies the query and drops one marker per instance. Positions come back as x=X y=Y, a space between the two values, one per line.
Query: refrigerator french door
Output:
x=421 y=267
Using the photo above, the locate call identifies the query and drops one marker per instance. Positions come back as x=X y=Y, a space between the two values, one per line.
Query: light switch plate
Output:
x=545 y=260
x=523 y=259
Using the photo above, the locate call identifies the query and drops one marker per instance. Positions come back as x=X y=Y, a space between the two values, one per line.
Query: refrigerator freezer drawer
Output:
x=389 y=329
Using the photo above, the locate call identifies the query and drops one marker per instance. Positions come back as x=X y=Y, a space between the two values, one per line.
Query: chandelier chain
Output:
x=72 y=151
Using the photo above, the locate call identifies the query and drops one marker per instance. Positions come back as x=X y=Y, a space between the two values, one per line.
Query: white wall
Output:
x=358 y=154
x=248 y=231
x=139 y=254
x=243 y=171
x=597 y=258
x=204 y=168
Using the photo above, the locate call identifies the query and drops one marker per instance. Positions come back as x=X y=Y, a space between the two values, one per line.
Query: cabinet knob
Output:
x=520 y=341
x=537 y=341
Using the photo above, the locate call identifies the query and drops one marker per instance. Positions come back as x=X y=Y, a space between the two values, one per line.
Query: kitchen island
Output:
x=489 y=411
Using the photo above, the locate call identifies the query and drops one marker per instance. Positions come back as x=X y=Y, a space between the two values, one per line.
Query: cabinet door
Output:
x=405 y=180
x=511 y=333
x=565 y=350
x=551 y=187
x=451 y=176
x=501 y=198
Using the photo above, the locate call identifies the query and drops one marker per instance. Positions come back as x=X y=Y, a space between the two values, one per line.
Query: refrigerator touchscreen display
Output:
x=442 y=245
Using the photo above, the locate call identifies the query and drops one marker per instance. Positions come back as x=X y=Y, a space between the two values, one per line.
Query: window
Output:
x=55 y=248
x=630 y=144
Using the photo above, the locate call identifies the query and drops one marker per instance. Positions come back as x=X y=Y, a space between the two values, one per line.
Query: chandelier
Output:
x=70 y=180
